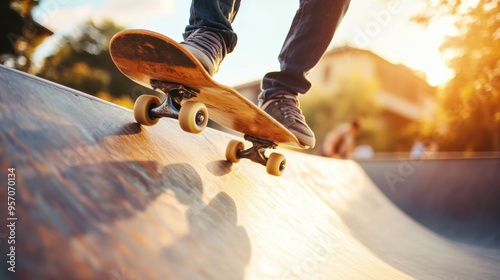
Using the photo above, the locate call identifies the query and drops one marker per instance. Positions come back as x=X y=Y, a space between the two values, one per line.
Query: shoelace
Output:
x=208 y=43
x=288 y=108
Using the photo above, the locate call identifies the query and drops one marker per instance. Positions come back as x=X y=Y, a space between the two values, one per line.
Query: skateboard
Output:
x=192 y=96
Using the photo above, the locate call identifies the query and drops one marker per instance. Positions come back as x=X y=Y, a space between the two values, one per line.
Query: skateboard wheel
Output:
x=232 y=150
x=193 y=117
x=276 y=164
x=142 y=108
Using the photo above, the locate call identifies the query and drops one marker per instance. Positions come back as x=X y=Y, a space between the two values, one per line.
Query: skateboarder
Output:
x=210 y=37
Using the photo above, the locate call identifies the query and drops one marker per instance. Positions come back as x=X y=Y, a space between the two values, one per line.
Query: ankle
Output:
x=208 y=47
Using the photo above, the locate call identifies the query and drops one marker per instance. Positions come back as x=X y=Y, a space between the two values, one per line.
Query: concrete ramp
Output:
x=100 y=197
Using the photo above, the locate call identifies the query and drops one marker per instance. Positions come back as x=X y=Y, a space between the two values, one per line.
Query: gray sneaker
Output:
x=208 y=47
x=285 y=109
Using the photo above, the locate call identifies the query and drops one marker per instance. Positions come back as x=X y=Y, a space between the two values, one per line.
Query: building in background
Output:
x=403 y=96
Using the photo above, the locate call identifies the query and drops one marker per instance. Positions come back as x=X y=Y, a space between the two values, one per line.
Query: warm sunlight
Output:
x=253 y=139
x=426 y=56
x=390 y=33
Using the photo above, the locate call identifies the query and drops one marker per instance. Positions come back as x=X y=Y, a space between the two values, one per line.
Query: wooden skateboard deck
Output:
x=143 y=56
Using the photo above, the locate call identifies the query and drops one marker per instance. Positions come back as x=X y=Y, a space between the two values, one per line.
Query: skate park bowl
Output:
x=98 y=196
x=456 y=197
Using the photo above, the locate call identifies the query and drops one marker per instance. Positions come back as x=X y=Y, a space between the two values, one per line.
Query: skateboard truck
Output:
x=192 y=116
x=257 y=152
x=175 y=94
x=175 y=90
x=275 y=164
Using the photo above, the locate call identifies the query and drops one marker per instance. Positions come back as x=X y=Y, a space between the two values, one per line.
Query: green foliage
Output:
x=82 y=62
x=468 y=116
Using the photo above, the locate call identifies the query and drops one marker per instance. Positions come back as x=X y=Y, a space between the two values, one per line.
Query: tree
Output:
x=468 y=116
x=82 y=62
x=21 y=34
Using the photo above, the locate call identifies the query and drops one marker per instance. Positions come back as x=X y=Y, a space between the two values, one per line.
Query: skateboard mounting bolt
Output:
x=282 y=165
x=200 y=118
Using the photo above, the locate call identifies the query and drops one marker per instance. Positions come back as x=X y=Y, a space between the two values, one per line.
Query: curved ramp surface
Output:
x=100 y=197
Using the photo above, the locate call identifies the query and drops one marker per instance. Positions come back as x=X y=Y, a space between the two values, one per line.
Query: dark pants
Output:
x=310 y=34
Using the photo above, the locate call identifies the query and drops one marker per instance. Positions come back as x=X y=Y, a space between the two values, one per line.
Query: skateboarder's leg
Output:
x=209 y=35
x=309 y=36
x=216 y=16
x=311 y=32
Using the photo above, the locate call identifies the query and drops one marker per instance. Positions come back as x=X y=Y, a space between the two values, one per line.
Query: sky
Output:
x=380 y=26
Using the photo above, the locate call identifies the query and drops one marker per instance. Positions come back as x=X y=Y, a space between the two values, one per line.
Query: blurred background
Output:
x=408 y=88
x=421 y=78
